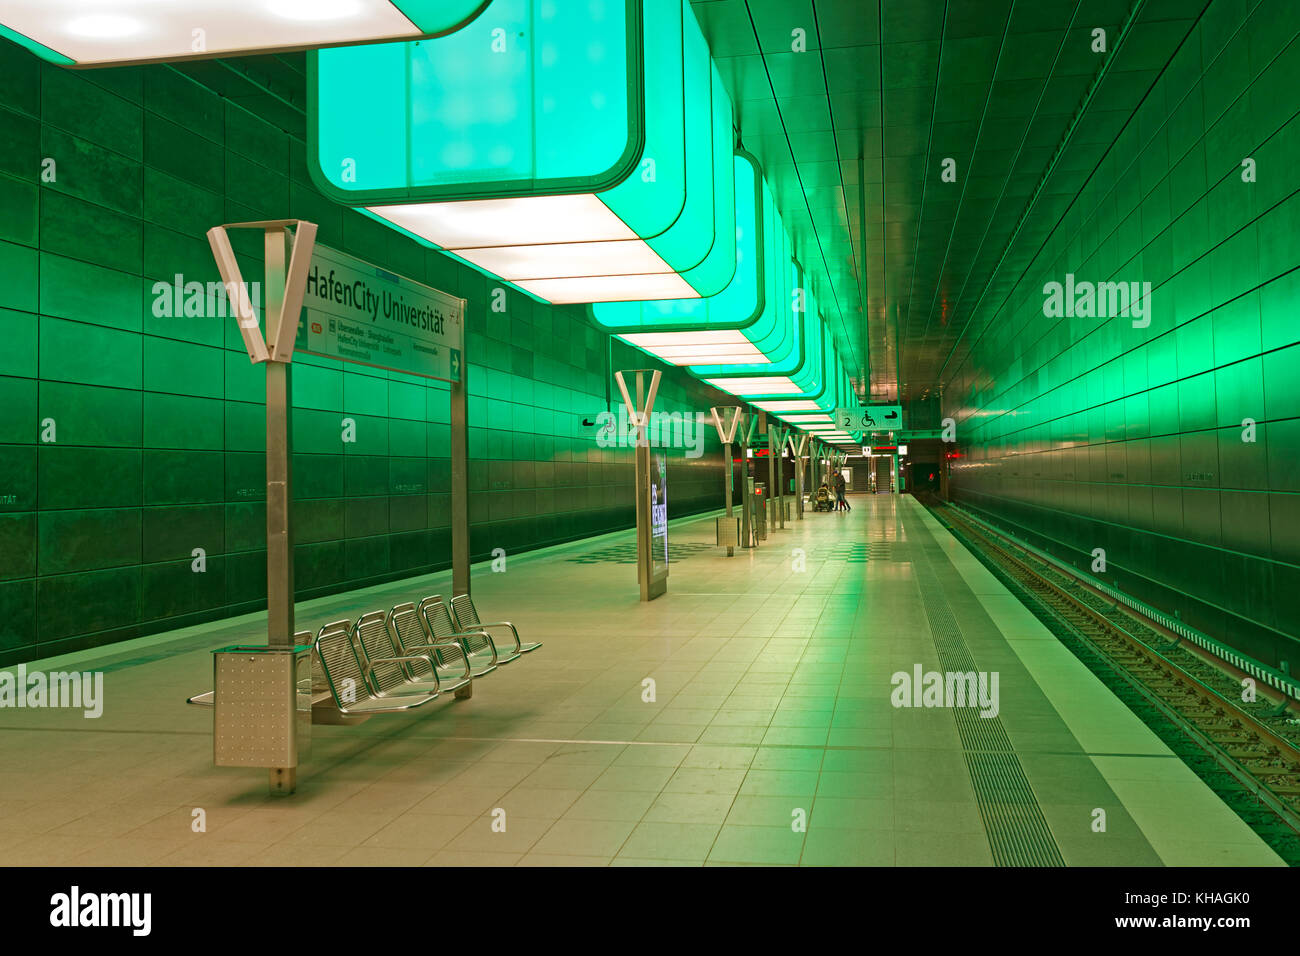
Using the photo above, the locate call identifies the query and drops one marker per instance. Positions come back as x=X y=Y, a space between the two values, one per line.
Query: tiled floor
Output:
x=770 y=738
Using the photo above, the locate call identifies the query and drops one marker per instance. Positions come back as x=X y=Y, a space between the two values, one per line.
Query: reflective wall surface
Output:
x=1167 y=440
x=130 y=439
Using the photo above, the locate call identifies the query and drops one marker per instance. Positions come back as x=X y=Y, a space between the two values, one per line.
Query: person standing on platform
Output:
x=841 y=503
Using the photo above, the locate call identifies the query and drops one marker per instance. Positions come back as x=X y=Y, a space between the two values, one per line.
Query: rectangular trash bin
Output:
x=728 y=531
x=262 y=706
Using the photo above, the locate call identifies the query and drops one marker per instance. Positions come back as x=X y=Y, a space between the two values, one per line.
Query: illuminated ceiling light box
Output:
x=797 y=405
x=806 y=380
x=581 y=151
x=780 y=334
x=744 y=314
x=116 y=32
x=798 y=354
x=757 y=386
x=683 y=348
x=827 y=388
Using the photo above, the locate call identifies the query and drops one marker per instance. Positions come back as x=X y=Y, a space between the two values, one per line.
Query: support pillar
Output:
x=284 y=287
x=797 y=449
x=776 y=443
x=726 y=420
x=747 y=538
x=279 y=452
x=652 y=583
x=460 y=546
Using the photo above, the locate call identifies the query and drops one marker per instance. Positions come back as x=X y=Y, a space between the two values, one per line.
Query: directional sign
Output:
x=870 y=418
x=357 y=312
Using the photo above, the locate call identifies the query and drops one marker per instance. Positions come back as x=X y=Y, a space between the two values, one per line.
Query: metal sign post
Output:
x=747 y=535
x=459 y=485
x=327 y=303
x=812 y=460
x=797 y=449
x=769 y=519
x=269 y=687
x=651 y=511
x=776 y=436
x=726 y=423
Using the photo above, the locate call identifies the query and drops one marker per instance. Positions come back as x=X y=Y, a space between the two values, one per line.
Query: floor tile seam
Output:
x=843 y=673
x=766 y=730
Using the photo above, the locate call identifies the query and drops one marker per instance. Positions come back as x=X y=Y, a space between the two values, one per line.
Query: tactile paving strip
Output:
x=1017 y=832
x=626 y=554
x=864 y=552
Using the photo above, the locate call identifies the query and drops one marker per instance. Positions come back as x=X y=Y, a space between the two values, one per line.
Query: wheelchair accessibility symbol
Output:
x=867 y=418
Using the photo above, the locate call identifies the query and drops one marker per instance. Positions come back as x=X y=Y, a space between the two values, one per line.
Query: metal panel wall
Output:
x=158 y=433
x=1100 y=432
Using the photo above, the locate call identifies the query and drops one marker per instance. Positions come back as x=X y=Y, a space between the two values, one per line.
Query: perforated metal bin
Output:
x=262 y=708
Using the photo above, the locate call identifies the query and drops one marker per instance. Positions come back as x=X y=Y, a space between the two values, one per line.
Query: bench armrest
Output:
x=514 y=631
x=485 y=636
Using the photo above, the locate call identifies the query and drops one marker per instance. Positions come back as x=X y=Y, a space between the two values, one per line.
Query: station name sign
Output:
x=354 y=311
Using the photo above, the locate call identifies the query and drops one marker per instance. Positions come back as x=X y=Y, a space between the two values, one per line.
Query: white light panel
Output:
x=98 y=32
x=755 y=386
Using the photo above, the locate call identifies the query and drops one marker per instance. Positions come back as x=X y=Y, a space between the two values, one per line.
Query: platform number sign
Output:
x=869 y=418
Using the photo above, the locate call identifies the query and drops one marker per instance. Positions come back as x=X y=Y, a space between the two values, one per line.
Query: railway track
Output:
x=1247 y=752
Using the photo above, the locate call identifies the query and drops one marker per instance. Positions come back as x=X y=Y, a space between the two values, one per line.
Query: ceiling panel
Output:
x=853 y=106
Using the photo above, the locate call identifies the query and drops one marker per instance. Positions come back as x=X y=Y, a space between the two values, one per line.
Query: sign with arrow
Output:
x=870 y=418
x=357 y=312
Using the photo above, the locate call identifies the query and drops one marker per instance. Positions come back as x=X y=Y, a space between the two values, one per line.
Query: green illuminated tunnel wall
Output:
x=158 y=421
x=1088 y=433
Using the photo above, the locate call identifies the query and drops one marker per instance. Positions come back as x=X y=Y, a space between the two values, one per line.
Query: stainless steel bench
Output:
x=451 y=660
x=354 y=682
x=477 y=645
x=467 y=619
x=395 y=670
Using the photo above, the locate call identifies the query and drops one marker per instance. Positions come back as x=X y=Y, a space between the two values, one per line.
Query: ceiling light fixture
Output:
x=121 y=32
x=582 y=152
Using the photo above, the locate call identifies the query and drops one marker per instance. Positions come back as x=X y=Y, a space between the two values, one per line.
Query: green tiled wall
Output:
x=159 y=421
x=1090 y=433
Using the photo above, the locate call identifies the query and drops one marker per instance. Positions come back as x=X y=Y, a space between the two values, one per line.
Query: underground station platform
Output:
x=607 y=435
x=771 y=699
